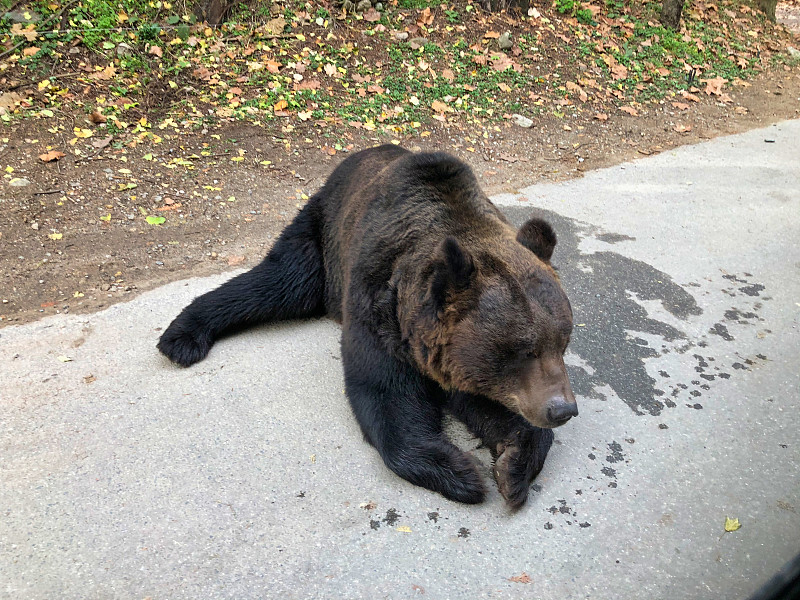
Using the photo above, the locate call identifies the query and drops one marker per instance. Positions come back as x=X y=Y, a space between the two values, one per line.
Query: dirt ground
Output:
x=75 y=238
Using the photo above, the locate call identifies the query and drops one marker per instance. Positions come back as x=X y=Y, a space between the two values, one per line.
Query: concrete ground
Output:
x=245 y=476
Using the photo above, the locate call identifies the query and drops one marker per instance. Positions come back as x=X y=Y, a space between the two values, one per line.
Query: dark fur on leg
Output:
x=518 y=448
x=400 y=414
x=288 y=283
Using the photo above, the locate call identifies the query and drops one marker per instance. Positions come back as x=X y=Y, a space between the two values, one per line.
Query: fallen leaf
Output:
x=630 y=110
x=372 y=15
x=492 y=35
x=280 y=105
x=235 y=260
x=714 y=86
x=680 y=105
x=368 y=505
x=601 y=117
x=681 y=128
x=29 y=32
x=404 y=529
x=89 y=378
x=275 y=26
x=732 y=524
x=97 y=118
x=51 y=156
x=448 y=75
x=619 y=72
x=308 y=84
x=152 y=220
x=30 y=51
x=440 y=106
x=524 y=578
x=65 y=359
x=102 y=142
x=156 y=51
x=55 y=236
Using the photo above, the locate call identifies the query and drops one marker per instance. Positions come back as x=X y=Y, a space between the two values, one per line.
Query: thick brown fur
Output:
x=443 y=306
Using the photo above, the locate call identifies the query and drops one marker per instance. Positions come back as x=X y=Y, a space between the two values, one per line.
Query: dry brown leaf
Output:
x=102 y=142
x=440 y=106
x=493 y=35
x=155 y=51
x=523 y=578
x=308 y=84
x=601 y=117
x=372 y=15
x=97 y=118
x=30 y=51
x=714 y=86
x=235 y=260
x=630 y=110
x=681 y=128
x=680 y=105
x=51 y=156
x=619 y=71
x=275 y=26
x=448 y=75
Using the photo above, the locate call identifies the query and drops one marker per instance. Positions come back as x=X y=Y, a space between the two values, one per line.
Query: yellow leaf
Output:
x=122 y=17
x=106 y=218
x=77 y=295
x=404 y=529
x=65 y=358
x=55 y=236
x=280 y=105
x=732 y=524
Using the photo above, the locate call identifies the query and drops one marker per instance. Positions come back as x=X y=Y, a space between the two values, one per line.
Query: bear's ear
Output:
x=538 y=236
x=453 y=270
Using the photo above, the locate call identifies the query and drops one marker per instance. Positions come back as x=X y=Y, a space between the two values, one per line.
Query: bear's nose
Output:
x=560 y=411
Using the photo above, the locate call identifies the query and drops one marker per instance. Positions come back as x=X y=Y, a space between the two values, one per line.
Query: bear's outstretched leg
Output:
x=518 y=448
x=399 y=415
x=288 y=283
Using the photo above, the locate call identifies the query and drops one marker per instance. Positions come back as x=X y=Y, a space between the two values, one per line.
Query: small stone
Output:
x=522 y=121
x=793 y=52
x=124 y=49
x=19 y=182
x=22 y=16
x=35 y=226
x=504 y=41
x=379 y=6
x=417 y=42
x=400 y=35
x=363 y=5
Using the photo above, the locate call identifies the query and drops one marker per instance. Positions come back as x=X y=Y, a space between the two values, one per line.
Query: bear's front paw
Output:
x=518 y=462
x=184 y=344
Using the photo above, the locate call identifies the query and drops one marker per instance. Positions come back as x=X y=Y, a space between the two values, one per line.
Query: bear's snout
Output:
x=559 y=410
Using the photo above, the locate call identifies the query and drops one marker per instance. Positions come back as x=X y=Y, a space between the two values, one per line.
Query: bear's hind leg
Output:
x=518 y=448
x=288 y=283
x=398 y=413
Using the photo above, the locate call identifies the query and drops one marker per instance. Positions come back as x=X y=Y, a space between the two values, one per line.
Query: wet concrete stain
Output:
x=614 y=238
x=433 y=516
x=600 y=286
x=609 y=472
x=722 y=331
x=392 y=516
x=616 y=453
x=374 y=524
x=463 y=532
x=548 y=525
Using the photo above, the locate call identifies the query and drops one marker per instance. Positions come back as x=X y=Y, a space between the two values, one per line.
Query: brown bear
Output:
x=444 y=306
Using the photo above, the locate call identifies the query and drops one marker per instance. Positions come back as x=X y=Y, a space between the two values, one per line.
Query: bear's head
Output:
x=502 y=324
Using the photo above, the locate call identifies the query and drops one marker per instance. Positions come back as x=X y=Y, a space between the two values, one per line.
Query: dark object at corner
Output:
x=784 y=585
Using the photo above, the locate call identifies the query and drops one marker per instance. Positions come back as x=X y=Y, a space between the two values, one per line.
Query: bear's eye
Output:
x=531 y=354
